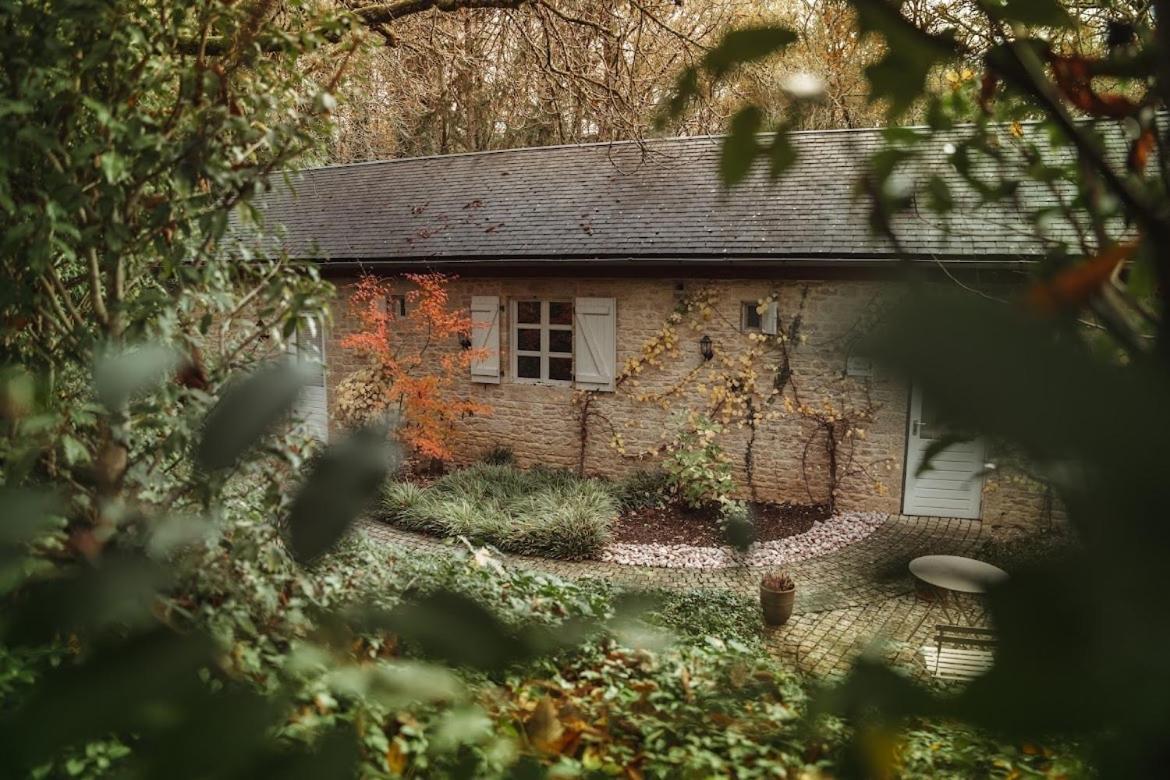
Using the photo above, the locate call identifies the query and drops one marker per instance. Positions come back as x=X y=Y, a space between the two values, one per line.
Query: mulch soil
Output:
x=676 y=523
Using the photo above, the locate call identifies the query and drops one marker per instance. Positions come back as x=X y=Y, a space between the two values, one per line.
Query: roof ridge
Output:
x=629 y=142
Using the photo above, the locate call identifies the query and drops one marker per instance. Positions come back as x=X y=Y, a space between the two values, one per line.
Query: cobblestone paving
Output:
x=857 y=599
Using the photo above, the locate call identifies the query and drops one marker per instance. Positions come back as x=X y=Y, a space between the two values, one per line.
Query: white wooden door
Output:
x=308 y=346
x=953 y=486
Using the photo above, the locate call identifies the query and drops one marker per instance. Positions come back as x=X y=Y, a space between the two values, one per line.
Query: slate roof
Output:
x=628 y=202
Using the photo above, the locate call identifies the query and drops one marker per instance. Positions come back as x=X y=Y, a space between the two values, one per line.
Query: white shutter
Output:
x=595 y=342
x=485 y=339
x=770 y=319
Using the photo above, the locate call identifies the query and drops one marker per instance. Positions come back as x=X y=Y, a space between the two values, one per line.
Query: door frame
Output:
x=907 y=471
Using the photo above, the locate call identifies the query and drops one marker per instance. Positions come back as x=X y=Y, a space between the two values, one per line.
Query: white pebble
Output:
x=823 y=538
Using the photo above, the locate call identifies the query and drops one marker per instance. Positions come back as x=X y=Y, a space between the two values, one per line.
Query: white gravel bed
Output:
x=824 y=537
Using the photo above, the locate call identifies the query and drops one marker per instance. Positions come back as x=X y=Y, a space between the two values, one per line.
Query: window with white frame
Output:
x=542 y=341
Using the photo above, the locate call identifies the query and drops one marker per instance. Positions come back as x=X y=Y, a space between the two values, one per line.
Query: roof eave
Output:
x=390 y=264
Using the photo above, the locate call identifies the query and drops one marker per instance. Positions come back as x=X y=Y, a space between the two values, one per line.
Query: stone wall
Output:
x=541 y=424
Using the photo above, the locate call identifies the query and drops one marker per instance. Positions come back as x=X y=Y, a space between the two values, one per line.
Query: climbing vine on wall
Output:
x=742 y=386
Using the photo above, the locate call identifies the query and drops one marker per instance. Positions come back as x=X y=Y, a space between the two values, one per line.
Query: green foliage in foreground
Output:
x=686 y=690
x=543 y=512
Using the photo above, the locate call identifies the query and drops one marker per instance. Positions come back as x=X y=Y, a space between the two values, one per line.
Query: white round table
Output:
x=954 y=572
x=949 y=575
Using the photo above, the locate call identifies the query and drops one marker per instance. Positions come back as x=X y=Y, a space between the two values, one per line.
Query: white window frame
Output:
x=544 y=354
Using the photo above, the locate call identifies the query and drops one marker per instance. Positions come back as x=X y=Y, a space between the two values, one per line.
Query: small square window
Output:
x=750 y=318
x=398 y=305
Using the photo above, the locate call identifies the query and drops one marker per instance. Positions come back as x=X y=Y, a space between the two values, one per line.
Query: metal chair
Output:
x=960 y=652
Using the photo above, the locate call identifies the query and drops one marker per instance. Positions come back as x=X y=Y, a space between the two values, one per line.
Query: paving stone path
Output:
x=860 y=598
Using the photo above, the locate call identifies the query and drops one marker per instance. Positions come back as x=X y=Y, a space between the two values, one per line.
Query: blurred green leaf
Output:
x=936 y=448
x=1097 y=429
x=118 y=591
x=746 y=45
x=451 y=627
x=736 y=48
x=343 y=482
x=403 y=683
x=248 y=409
x=120 y=377
x=781 y=153
x=686 y=88
x=939 y=193
x=17 y=392
x=910 y=53
x=462 y=726
x=26 y=514
x=1046 y=13
x=139 y=685
x=741 y=147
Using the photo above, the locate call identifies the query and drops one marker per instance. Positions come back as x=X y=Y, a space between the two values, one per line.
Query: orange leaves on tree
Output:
x=417 y=355
x=1140 y=150
x=1072 y=288
x=1074 y=77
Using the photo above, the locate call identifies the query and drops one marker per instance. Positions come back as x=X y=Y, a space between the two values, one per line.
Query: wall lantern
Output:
x=464 y=340
x=705 y=348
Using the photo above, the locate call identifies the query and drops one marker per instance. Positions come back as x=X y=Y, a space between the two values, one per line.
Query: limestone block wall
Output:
x=541 y=424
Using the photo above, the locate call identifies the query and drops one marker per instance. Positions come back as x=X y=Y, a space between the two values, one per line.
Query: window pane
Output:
x=528 y=339
x=560 y=313
x=751 y=317
x=528 y=367
x=560 y=341
x=560 y=368
x=528 y=311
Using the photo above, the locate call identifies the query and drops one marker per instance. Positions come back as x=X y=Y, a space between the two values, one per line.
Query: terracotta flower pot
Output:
x=777 y=605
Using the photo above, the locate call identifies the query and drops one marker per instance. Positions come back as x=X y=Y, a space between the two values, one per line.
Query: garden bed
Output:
x=677 y=524
x=556 y=514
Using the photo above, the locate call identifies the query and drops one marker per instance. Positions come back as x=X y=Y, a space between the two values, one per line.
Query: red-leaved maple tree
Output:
x=416 y=361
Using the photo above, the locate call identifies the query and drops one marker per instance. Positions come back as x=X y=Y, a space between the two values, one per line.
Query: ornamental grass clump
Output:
x=545 y=512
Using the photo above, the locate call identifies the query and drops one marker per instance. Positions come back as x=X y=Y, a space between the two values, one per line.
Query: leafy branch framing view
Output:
x=177 y=598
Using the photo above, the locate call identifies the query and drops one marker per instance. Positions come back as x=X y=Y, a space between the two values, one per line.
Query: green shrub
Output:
x=737 y=524
x=698 y=614
x=698 y=468
x=642 y=489
x=544 y=512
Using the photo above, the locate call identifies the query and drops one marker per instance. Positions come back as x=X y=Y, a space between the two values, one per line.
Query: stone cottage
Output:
x=619 y=291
